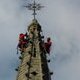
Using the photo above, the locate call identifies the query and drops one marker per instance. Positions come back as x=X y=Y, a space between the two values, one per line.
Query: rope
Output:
x=17 y=49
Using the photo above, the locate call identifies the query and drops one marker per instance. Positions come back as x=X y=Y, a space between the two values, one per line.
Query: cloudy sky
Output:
x=60 y=19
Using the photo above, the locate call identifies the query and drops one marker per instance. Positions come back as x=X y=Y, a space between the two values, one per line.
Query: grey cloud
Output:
x=59 y=20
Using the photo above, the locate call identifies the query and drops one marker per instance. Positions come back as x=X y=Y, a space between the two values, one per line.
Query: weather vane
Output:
x=34 y=7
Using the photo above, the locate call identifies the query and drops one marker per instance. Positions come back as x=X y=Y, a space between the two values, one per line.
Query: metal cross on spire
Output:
x=34 y=7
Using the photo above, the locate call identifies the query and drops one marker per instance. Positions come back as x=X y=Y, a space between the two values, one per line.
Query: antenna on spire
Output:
x=34 y=7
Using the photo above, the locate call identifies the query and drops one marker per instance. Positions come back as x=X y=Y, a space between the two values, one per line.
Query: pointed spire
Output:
x=34 y=7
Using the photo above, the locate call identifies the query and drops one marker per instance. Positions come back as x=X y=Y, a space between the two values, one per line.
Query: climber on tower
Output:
x=23 y=41
x=47 y=45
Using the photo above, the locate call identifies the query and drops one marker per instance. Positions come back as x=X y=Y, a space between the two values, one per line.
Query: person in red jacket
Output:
x=48 y=45
x=22 y=41
x=21 y=37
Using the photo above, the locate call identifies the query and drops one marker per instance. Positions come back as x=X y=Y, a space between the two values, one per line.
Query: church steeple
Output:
x=33 y=60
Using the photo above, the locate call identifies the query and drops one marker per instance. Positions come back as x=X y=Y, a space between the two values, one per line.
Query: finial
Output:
x=34 y=7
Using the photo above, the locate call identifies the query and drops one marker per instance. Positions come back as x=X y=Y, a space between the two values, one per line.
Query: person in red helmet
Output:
x=48 y=45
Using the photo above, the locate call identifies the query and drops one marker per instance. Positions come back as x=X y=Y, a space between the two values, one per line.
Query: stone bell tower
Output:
x=33 y=61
